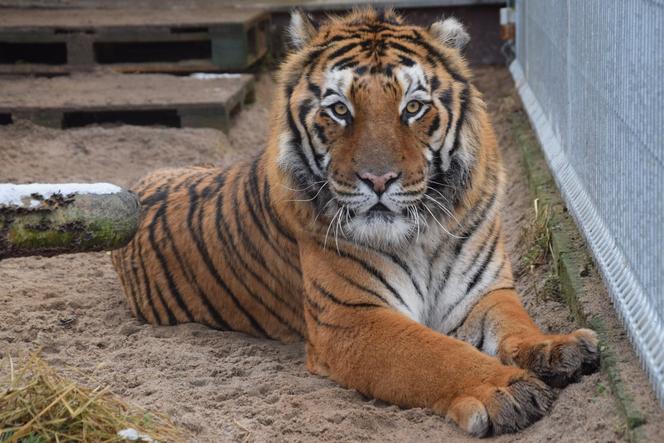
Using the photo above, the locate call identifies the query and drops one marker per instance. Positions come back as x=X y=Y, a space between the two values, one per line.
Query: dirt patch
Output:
x=225 y=386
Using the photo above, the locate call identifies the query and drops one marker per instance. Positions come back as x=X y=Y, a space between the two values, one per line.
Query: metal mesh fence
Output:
x=591 y=75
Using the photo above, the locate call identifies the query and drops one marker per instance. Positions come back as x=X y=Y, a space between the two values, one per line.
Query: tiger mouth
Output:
x=382 y=212
x=379 y=207
x=377 y=211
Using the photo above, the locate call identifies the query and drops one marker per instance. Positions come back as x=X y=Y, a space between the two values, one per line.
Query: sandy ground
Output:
x=225 y=386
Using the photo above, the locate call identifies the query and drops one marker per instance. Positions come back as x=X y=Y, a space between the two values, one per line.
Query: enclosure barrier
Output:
x=589 y=73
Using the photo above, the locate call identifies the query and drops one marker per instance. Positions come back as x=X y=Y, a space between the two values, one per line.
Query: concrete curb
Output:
x=570 y=264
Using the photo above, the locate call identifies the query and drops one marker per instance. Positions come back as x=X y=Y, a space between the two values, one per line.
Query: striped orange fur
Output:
x=369 y=227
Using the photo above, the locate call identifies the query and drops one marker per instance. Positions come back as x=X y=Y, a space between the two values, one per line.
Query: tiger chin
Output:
x=369 y=227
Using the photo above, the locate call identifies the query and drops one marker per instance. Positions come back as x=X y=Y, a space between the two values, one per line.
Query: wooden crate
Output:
x=179 y=41
x=145 y=99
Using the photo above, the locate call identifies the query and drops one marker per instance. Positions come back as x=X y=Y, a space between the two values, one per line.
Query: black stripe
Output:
x=220 y=225
x=463 y=98
x=369 y=268
x=346 y=62
x=267 y=203
x=406 y=61
x=404 y=267
x=148 y=287
x=318 y=321
x=435 y=124
x=303 y=111
x=338 y=38
x=492 y=234
x=196 y=233
x=314 y=89
x=434 y=55
x=402 y=48
x=136 y=249
x=131 y=274
x=405 y=193
x=258 y=201
x=334 y=299
x=296 y=144
x=253 y=252
x=342 y=50
x=159 y=195
x=478 y=217
x=435 y=83
x=446 y=99
x=227 y=239
x=161 y=215
x=171 y=319
x=186 y=269
x=361 y=287
x=320 y=132
x=482 y=269
x=483 y=252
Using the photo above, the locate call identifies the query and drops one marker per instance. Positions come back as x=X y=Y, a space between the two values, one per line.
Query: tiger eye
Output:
x=340 y=109
x=413 y=106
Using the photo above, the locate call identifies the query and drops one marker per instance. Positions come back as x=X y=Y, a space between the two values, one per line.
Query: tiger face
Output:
x=372 y=131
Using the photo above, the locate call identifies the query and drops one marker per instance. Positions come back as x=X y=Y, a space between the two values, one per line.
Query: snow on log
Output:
x=49 y=219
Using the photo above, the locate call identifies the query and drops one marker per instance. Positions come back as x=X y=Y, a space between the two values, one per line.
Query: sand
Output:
x=225 y=386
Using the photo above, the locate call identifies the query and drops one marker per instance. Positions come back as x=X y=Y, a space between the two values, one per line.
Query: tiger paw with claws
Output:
x=502 y=406
x=556 y=359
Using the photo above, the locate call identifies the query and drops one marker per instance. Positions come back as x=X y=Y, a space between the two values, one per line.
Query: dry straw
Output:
x=39 y=405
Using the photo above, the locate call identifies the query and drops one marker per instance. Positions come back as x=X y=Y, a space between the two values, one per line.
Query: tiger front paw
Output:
x=502 y=407
x=557 y=359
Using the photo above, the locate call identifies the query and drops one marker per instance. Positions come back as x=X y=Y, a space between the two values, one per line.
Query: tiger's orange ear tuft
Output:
x=450 y=32
x=301 y=29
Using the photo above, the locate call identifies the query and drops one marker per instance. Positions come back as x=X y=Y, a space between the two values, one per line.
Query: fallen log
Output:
x=49 y=219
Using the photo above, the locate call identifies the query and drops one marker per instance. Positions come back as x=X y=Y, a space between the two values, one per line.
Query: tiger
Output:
x=369 y=227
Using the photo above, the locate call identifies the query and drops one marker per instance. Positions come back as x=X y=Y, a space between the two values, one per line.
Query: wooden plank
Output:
x=88 y=19
x=197 y=102
x=272 y=5
x=217 y=39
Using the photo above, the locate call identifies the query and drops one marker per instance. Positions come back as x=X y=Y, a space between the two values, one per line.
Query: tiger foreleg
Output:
x=499 y=325
x=361 y=342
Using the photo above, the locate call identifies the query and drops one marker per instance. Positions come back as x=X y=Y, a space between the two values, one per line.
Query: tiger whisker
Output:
x=413 y=210
x=439 y=193
x=329 y=227
x=439 y=223
x=303 y=189
x=443 y=208
x=323 y=208
x=336 y=230
x=441 y=184
x=312 y=198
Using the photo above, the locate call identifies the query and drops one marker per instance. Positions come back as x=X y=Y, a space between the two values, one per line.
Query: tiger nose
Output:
x=378 y=183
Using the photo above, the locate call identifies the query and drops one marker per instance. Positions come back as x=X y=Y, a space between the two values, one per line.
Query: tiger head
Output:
x=377 y=123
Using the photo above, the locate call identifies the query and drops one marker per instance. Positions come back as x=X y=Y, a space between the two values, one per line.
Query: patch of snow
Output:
x=209 y=76
x=132 y=434
x=11 y=194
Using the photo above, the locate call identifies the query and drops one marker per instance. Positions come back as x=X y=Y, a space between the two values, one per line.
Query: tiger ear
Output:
x=450 y=32
x=301 y=29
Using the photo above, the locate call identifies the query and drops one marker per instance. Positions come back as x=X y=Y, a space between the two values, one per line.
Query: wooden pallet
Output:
x=55 y=42
x=145 y=99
